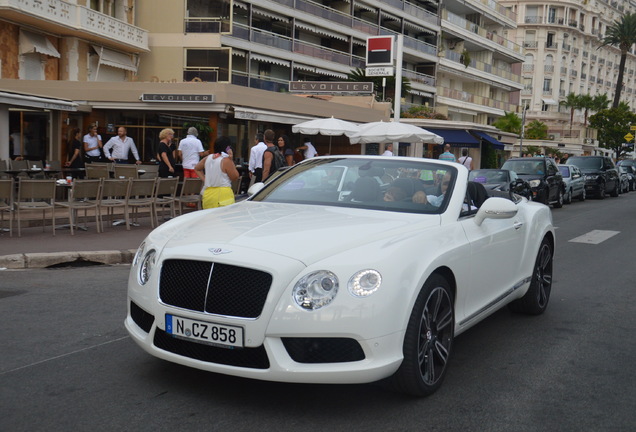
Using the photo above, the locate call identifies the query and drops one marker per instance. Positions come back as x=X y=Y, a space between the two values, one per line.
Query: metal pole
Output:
x=398 y=87
x=523 y=128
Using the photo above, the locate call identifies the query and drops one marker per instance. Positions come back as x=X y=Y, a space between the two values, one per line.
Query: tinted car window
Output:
x=523 y=167
x=593 y=163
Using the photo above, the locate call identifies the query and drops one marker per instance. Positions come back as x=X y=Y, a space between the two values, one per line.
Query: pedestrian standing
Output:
x=93 y=145
x=447 y=155
x=166 y=153
x=466 y=160
x=308 y=147
x=218 y=171
x=255 y=164
x=117 y=148
x=190 y=152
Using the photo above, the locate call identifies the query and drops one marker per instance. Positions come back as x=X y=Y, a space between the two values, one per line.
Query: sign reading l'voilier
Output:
x=159 y=97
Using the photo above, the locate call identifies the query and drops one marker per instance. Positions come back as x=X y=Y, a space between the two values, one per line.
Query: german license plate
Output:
x=204 y=332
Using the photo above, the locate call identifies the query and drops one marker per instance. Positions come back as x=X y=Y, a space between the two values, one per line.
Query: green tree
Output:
x=536 y=130
x=612 y=125
x=586 y=103
x=510 y=122
x=621 y=34
x=573 y=102
x=601 y=102
x=359 y=75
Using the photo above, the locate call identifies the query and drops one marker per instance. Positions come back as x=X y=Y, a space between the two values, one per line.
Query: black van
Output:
x=601 y=175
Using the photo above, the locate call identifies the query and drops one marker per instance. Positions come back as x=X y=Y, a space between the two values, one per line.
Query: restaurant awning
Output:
x=495 y=143
x=456 y=137
x=115 y=59
x=36 y=43
x=549 y=101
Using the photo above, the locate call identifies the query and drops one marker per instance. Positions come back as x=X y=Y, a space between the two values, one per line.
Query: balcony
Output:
x=466 y=97
x=531 y=44
x=533 y=20
x=484 y=67
x=464 y=24
x=67 y=19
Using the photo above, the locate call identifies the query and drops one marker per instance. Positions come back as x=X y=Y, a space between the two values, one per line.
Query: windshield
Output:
x=525 y=167
x=391 y=185
x=590 y=163
x=488 y=176
x=565 y=170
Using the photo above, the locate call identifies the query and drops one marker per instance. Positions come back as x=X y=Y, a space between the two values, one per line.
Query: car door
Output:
x=612 y=174
x=576 y=181
x=497 y=250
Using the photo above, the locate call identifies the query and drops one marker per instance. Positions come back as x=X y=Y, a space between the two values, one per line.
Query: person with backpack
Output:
x=466 y=160
x=272 y=158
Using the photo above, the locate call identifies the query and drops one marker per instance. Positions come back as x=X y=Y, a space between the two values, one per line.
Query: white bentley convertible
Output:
x=342 y=269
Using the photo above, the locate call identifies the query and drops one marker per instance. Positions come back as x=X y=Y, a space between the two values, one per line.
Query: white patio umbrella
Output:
x=386 y=132
x=325 y=126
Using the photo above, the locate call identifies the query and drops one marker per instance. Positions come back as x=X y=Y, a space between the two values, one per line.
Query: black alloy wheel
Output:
x=616 y=189
x=428 y=341
x=601 y=191
x=559 y=201
x=536 y=299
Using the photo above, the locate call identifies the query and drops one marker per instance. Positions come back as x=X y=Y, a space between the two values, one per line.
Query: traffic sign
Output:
x=633 y=127
x=628 y=137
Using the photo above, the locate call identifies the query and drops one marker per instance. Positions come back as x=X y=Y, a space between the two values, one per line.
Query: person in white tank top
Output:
x=218 y=172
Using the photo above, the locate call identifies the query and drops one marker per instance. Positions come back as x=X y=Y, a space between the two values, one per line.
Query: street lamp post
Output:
x=523 y=128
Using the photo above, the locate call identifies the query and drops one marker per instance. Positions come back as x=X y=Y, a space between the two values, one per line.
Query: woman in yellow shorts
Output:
x=217 y=171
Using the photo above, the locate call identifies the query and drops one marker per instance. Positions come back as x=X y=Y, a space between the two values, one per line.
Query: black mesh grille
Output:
x=233 y=291
x=323 y=350
x=142 y=318
x=255 y=358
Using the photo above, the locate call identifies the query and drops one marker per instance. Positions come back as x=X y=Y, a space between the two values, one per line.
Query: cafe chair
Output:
x=95 y=171
x=114 y=195
x=35 y=195
x=150 y=170
x=3 y=168
x=190 y=194
x=140 y=194
x=125 y=171
x=54 y=169
x=84 y=195
x=19 y=164
x=6 y=203
x=165 y=195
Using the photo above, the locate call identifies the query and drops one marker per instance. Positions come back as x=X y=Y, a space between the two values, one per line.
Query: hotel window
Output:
x=205 y=16
x=209 y=65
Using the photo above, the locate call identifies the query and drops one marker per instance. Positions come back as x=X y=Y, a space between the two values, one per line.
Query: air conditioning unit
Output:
x=588 y=141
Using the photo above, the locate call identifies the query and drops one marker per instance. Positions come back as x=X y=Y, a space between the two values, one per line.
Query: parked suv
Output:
x=601 y=176
x=544 y=177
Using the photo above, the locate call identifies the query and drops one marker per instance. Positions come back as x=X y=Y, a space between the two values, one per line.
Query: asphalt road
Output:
x=66 y=362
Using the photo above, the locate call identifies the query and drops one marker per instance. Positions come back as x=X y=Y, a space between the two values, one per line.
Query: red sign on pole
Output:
x=379 y=51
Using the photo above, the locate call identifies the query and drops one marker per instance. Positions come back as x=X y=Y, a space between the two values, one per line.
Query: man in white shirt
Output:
x=310 y=150
x=93 y=144
x=388 y=150
x=118 y=147
x=255 y=164
x=191 y=151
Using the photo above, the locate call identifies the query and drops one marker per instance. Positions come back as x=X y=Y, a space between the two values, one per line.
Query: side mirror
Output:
x=255 y=188
x=495 y=208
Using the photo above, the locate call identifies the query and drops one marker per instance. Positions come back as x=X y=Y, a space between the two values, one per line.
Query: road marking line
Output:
x=595 y=237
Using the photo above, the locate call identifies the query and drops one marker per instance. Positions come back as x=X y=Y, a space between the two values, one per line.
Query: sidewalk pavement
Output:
x=40 y=249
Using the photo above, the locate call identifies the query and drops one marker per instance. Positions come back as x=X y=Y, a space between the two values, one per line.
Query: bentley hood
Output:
x=302 y=232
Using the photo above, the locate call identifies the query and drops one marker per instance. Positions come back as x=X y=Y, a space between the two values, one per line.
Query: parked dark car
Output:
x=544 y=178
x=501 y=180
x=601 y=175
x=629 y=171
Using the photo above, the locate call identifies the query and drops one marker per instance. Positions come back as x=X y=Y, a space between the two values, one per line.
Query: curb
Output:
x=44 y=260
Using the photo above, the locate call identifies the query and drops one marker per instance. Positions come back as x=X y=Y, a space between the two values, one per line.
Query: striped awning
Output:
x=267 y=59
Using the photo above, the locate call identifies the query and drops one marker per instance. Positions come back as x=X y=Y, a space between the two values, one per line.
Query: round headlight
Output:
x=315 y=290
x=365 y=282
x=139 y=254
x=146 y=267
x=534 y=183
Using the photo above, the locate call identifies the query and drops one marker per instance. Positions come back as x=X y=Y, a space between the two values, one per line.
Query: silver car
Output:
x=574 y=183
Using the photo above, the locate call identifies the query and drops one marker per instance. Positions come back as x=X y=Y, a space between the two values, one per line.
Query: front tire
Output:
x=568 y=197
x=583 y=195
x=428 y=341
x=601 y=191
x=559 y=201
x=536 y=299
x=614 y=193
